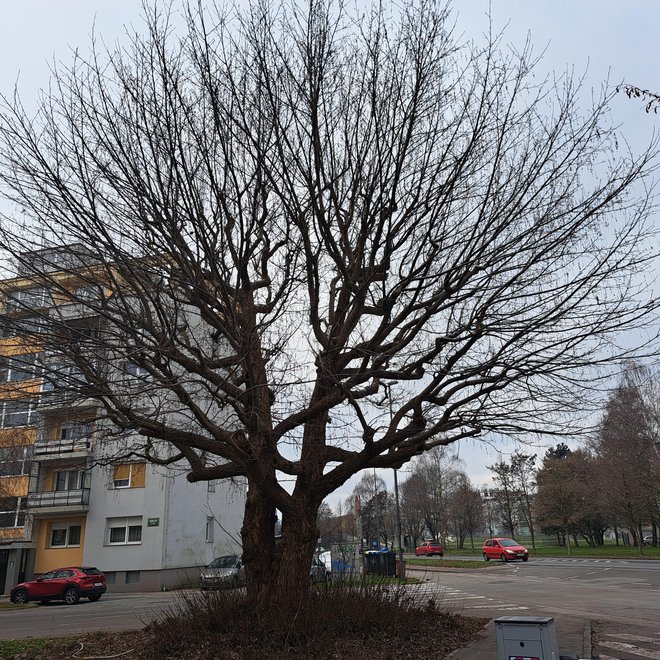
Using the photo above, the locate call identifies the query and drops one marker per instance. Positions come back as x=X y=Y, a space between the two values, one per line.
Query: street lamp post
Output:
x=396 y=490
x=398 y=522
x=377 y=505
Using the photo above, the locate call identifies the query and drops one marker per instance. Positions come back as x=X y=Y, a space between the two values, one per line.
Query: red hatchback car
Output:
x=504 y=550
x=67 y=584
x=429 y=548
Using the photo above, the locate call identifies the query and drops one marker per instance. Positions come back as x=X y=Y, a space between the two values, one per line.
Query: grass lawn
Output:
x=22 y=648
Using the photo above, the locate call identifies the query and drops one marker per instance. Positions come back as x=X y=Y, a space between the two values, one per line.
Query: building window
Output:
x=65 y=536
x=30 y=299
x=15 y=461
x=110 y=577
x=19 y=368
x=68 y=480
x=76 y=430
x=124 y=531
x=15 y=327
x=63 y=377
x=12 y=511
x=209 y=530
x=16 y=413
x=129 y=475
x=136 y=371
x=88 y=293
x=132 y=577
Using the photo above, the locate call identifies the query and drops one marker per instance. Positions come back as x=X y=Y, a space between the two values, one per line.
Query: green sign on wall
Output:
x=153 y=522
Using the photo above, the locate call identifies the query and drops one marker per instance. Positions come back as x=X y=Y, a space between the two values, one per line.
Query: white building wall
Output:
x=189 y=507
x=174 y=546
x=107 y=502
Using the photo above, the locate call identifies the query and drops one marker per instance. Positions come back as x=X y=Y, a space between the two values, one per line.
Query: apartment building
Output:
x=70 y=493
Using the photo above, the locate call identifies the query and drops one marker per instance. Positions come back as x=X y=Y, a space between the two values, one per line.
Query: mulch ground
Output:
x=440 y=634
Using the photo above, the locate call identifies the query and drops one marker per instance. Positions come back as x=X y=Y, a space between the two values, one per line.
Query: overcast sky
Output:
x=607 y=39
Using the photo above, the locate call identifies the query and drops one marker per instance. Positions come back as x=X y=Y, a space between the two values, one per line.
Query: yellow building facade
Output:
x=44 y=461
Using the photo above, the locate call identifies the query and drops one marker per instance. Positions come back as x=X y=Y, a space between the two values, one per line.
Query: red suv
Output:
x=429 y=548
x=67 y=584
x=504 y=550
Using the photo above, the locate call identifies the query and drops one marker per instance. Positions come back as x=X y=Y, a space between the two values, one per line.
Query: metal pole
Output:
x=398 y=522
x=377 y=511
x=396 y=496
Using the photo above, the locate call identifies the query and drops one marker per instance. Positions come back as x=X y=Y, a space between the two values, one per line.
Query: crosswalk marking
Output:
x=507 y=608
x=453 y=597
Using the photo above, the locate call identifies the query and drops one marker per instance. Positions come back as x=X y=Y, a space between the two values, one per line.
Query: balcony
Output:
x=73 y=448
x=59 y=501
x=70 y=311
x=55 y=400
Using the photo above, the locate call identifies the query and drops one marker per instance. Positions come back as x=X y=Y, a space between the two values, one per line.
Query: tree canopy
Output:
x=333 y=242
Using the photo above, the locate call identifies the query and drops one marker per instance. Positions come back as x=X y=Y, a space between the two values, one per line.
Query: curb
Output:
x=450 y=569
x=484 y=631
x=586 y=639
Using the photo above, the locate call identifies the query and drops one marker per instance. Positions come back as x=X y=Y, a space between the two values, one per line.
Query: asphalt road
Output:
x=112 y=612
x=621 y=597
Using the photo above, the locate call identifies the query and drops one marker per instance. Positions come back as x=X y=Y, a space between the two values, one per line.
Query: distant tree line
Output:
x=576 y=495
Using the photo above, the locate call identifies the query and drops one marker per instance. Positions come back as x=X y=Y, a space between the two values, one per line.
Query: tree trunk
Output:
x=567 y=536
x=296 y=548
x=278 y=569
x=258 y=536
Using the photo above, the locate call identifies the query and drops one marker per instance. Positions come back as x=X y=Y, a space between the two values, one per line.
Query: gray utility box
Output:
x=526 y=638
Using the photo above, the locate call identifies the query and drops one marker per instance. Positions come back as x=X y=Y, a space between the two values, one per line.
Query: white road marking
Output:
x=495 y=606
x=454 y=597
x=634 y=638
x=631 y=648
x=512 y=608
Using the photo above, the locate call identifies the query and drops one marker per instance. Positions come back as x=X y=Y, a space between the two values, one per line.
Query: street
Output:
x=621 y=597
x=112 y=612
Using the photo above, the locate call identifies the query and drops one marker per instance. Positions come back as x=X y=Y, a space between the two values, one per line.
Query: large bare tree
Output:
x=298 y=210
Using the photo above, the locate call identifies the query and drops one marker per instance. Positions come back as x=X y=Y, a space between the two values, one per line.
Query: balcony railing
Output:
x=59 y=498
x=45 y=448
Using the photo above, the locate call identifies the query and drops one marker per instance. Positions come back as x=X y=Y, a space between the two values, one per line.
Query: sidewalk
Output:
x=573 y=637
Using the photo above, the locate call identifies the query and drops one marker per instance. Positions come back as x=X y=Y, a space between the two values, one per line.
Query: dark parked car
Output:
x=225 y=571
x=67 y=584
